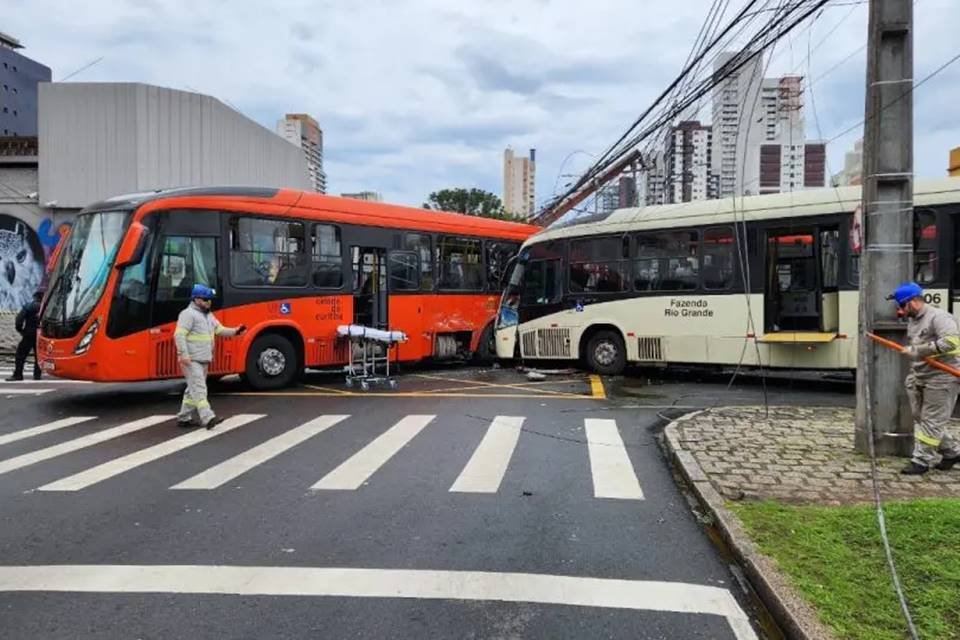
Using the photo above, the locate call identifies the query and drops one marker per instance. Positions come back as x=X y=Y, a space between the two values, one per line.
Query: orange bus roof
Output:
x=288 y=202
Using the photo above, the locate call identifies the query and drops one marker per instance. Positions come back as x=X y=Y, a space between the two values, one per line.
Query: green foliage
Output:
x=473 y=202
x=834 y=557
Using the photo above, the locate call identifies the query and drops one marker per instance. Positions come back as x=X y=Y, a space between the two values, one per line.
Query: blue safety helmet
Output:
x=202 y=291
x=906 y=292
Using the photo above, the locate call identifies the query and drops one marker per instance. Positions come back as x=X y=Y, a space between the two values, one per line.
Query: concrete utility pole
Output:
x=887 y=247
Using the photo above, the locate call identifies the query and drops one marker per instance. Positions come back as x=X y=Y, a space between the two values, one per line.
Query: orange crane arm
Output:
x=936 y=364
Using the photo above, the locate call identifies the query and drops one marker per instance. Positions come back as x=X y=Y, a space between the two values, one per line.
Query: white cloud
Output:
x=417 y=95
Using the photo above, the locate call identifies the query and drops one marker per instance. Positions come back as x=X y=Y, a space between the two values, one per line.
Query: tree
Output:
x=473 y=202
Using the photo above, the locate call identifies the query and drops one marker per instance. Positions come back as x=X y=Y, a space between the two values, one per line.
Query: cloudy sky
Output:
x=418 y=95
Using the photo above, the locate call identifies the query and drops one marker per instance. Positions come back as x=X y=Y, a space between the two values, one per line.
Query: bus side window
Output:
x=718 y=259
x=267 y=253
x=404 y=271
x=419 y=243
x=667 y=261
x=326 y=256
x=461 y=263
x=498 y=253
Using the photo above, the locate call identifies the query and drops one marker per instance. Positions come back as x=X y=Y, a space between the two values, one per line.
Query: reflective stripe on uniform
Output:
x=199 y=405
x=180 y=332
x=925 y=439
x=218 y=330
x=199 y=337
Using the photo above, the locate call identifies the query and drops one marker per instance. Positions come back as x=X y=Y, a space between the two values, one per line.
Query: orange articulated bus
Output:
x=291 y=266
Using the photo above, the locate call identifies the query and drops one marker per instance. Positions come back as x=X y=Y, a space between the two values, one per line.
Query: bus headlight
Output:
x=508 y=318
x=84 y=345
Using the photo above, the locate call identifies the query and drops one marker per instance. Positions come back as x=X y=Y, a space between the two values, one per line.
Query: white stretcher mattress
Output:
x=369 y=333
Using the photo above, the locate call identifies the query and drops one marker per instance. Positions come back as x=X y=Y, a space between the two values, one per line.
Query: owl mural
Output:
x=21 y=263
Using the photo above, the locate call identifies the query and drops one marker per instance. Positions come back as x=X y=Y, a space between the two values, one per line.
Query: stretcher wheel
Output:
x=393 y=384
x=349 y=383
x=364 y=385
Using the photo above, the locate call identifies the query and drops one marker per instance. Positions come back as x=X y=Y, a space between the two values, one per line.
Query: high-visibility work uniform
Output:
x=932 y=392
x=196 y=331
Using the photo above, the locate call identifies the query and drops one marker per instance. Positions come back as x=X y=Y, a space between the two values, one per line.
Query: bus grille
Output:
x=553 y=343
x=528 y=344
x=332 y=351
x=166 y=364
x=650 y=349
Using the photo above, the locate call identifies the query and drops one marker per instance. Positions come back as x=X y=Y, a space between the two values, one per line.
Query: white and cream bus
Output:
x=765 y=280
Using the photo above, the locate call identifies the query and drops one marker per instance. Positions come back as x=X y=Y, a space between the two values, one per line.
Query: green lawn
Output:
x=834 y=557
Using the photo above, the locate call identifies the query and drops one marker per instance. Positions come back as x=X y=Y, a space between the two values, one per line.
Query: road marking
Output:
x=24 y=392
x=82 y=442
x=44 y=428
x=613 y=475
x=499 y=385
x=482 y=586
x=596 y=388
x=229 y=469
x=364 y=463
x=401 y=394
x=112 y=468
x=486 y=468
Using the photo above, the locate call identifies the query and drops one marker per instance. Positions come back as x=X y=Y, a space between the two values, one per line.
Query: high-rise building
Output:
x=519 y=183
x=618 y=194
x=688 y=163
x=19 y=77
x=370 y=196
x=734 y=97
x=655 y=180
x=303 y=131
x=852 y=167
x=787 y=161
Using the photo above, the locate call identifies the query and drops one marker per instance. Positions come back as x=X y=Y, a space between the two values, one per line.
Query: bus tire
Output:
x=271 y=362
x=486 y=351
x=606 y=354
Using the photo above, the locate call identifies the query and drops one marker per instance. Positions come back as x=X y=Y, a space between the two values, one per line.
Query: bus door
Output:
x=792 y=289
x=369 y=286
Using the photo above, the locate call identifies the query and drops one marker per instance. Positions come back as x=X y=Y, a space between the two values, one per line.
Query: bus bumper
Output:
x=506 y=342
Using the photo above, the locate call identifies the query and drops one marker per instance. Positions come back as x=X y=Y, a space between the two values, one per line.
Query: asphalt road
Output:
x=467 y=504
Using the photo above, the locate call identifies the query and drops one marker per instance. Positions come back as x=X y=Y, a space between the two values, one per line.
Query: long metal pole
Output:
x=887 y=253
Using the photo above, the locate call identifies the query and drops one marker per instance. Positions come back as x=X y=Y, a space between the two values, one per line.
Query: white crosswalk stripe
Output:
x=611 y=471
x=487 y=466
x=82 y=442
x=613 y=475
x=363 y=464
x=20 y=391
x=112 y=468
x=44 y=428
x=229 y=469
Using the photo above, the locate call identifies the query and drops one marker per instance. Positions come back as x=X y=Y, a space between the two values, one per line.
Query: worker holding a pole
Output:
x=931 y=333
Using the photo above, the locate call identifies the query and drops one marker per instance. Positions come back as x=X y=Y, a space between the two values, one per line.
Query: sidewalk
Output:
x=798 y=456
x=793 y=500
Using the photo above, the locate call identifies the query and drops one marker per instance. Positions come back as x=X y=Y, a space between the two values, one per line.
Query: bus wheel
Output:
x=271 y=362
x=486 y=347
x=606 y=353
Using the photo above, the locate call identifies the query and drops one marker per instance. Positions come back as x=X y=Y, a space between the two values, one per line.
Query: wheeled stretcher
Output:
x=369 y=355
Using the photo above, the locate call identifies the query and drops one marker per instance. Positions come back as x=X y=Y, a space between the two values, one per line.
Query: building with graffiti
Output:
x=97 y=140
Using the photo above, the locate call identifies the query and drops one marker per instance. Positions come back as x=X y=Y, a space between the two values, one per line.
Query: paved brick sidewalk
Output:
x=796 y=455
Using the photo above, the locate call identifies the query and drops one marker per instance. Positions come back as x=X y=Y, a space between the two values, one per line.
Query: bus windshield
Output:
x=82 y=270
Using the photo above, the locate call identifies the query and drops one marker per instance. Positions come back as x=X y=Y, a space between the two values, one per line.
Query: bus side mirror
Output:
x=131 y=251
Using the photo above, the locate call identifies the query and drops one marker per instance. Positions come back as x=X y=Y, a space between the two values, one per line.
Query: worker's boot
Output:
x=946 y=463
x=914 y=469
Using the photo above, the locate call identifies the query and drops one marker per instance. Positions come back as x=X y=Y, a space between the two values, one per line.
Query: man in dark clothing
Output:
x=27 y=322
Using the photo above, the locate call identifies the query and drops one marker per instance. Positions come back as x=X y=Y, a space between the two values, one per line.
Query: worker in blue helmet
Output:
x=931 y=333
x=197 y=329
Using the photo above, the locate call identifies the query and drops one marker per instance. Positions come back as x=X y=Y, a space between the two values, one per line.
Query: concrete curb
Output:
x=793 y=615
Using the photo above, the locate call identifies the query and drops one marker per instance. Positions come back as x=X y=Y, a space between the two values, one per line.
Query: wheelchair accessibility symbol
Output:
x=285 y=308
